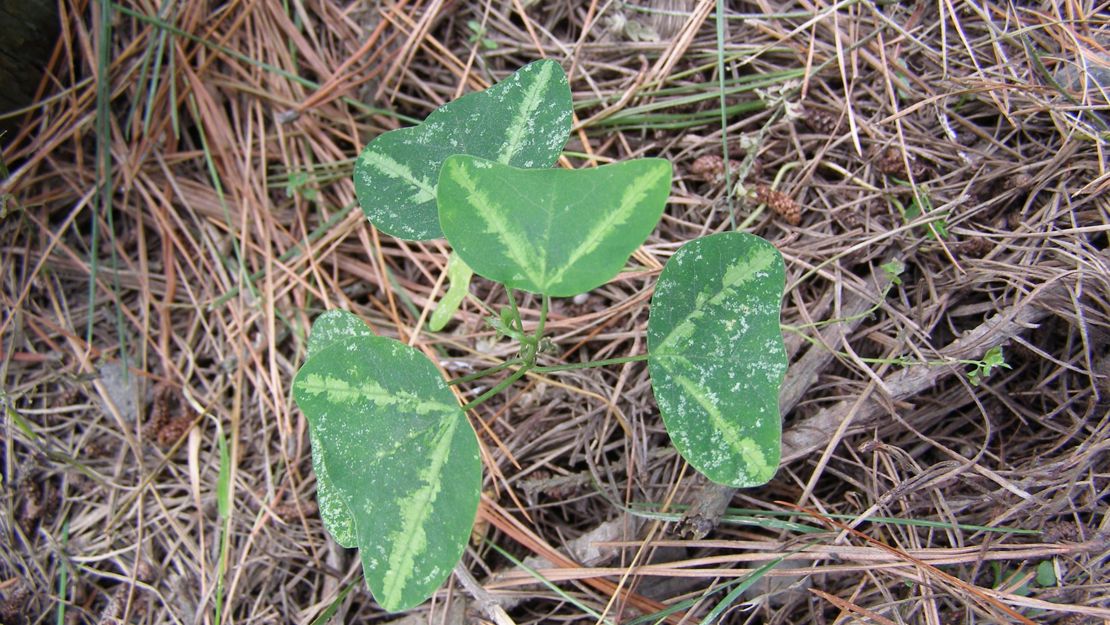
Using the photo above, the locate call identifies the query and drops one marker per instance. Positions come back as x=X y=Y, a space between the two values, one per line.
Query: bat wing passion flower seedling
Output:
x=396 y=460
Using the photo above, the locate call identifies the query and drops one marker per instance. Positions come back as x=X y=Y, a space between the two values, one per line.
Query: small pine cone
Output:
x=819 y=121
x=163 y=407
x=711 y=167
x=976 y=247
x=889 y=161
x=1061 y=532
x=289 y=512
x=851 y=219
x=13 y=603
x=708 y=166
x=779 y=202
x=31 y=501
x=171 y=431
x=1021 y=182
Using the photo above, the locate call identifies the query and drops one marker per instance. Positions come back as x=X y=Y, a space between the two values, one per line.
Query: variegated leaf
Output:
x=523 y=120
x=330 y=327
x=554 y=231
x=716 y=355
x=402 y=456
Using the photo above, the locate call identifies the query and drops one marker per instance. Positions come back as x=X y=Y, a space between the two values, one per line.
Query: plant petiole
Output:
x=530 y=347
x=591 y=364
x=517 y=323
x=500 y=386
x=529 y=350
x=484 y=372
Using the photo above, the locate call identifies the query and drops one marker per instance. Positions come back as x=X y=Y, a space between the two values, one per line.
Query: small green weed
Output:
x=478 y=34
x=298 y=185
x=982 y=369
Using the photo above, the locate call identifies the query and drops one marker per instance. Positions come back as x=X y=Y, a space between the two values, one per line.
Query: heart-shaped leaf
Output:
x=402 y=457
x=716 y=355
x=523 y=120
x=330 y=327
x=554 y=231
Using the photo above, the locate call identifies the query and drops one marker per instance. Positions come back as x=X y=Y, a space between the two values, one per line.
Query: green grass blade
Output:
x=735 y=593
x=327 y=614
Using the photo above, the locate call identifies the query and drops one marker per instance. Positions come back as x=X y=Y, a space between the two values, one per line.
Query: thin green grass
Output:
x=223 y=508
x=330 y=611
x=735 y=593
x=103 y=156
x=562 y=594
x=749 y=516
x=63 y=578
x=723 y=107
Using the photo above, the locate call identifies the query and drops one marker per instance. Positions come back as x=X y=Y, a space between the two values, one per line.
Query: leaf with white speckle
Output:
x=716 y=355
x=401 y=455
x=523 y=120
x=330 y=327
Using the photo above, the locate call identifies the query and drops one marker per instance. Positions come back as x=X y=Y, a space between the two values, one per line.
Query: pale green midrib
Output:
x=631 y=198
x=515 y=245
x=518 y=127
x=732 y=435
x=390 y=450
x=744 y=446
x=393 y=169
x=759 y=261
x=340 y=391
x=414 y=512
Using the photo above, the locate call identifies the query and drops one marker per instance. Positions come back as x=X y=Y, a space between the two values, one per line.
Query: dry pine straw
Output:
x=113 y=479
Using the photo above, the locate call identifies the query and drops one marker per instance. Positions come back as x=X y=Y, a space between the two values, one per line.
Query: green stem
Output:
x=484 y=372
x=502 y=385
x=528 y=362
x=900 y=361
x=518 y=323
x=543 y=317
x=591 y=364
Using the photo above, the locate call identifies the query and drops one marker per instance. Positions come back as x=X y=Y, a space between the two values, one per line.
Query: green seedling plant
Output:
x=478 y=34
x=982 y=369
x=397 y=462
